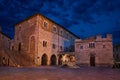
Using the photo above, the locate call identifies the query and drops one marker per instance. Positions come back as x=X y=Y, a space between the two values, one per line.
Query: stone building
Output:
x=5 y=59
x=94 y=51
x=38 y=41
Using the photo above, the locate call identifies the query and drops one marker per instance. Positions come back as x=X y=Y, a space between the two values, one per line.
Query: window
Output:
x=61 y=48
x=19 y=28
x=81 y=47
x=54 y=29
x=12 y=48
x=19 y=47
x=67 y=35
x=91 y=45
x=53 y=46
x=104 y=46
x=45 y=24
x=61 y=32
x=44 y=43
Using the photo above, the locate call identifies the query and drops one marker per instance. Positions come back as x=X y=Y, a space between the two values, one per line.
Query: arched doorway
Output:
x=92 y=60
x=60 y=60
x=53 y=60
x=44 y=59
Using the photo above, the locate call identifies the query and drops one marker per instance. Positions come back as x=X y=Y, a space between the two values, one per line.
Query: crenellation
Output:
x=96 y=49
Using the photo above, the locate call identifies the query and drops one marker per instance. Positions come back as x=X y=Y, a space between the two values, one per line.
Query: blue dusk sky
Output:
x=84 y=18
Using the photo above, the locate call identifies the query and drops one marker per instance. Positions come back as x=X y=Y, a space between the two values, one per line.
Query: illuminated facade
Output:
x=94 y=51
x=40 y=41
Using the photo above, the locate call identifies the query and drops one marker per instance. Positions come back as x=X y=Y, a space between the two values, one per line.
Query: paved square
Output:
x=57 y=73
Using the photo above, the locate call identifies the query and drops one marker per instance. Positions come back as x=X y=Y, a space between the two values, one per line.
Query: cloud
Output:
x=72 y=13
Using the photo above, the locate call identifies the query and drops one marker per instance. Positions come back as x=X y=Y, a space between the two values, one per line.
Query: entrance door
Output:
x=60 y=60
x=53 y=60
x=44 y=59
x=92 y=60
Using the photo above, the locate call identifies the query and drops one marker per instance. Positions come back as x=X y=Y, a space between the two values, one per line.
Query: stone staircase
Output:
x=20 y=58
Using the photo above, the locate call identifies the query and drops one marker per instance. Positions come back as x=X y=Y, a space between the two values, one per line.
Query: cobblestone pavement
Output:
x=57 y=73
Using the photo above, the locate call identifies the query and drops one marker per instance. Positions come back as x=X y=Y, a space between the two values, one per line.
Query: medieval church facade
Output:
x=40 y=41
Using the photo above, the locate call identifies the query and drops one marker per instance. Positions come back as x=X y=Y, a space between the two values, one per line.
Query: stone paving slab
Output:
x=57 y=73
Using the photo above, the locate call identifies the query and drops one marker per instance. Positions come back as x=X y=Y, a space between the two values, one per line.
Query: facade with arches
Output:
x=94 y=51
x=39 y=41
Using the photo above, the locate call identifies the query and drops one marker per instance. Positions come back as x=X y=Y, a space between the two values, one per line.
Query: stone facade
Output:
x=94 y=51
x=39 y=40
x=5 y=59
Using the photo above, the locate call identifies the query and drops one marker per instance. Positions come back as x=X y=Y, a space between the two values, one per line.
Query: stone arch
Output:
x=53 y=60
x=44 y=59
x=60 y=60
x=92 y=59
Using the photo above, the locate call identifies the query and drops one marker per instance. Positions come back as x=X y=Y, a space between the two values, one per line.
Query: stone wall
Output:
x=35 y=40
x=101 y=51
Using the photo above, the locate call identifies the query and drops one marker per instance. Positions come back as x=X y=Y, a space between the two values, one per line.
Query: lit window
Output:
x=45 y=24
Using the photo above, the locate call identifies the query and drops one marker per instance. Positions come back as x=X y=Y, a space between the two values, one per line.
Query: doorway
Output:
x=53 y=60
x=92 y=60
x=44 y=60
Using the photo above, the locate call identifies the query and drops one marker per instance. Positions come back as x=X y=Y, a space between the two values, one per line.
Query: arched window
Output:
x=54 y=29
x=45 y=24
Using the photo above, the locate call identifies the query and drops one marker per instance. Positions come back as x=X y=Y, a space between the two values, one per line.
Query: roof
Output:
x=5 y=35
x=39 y=14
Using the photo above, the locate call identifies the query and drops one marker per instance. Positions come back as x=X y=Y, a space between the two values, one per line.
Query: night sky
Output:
x=84 y=18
